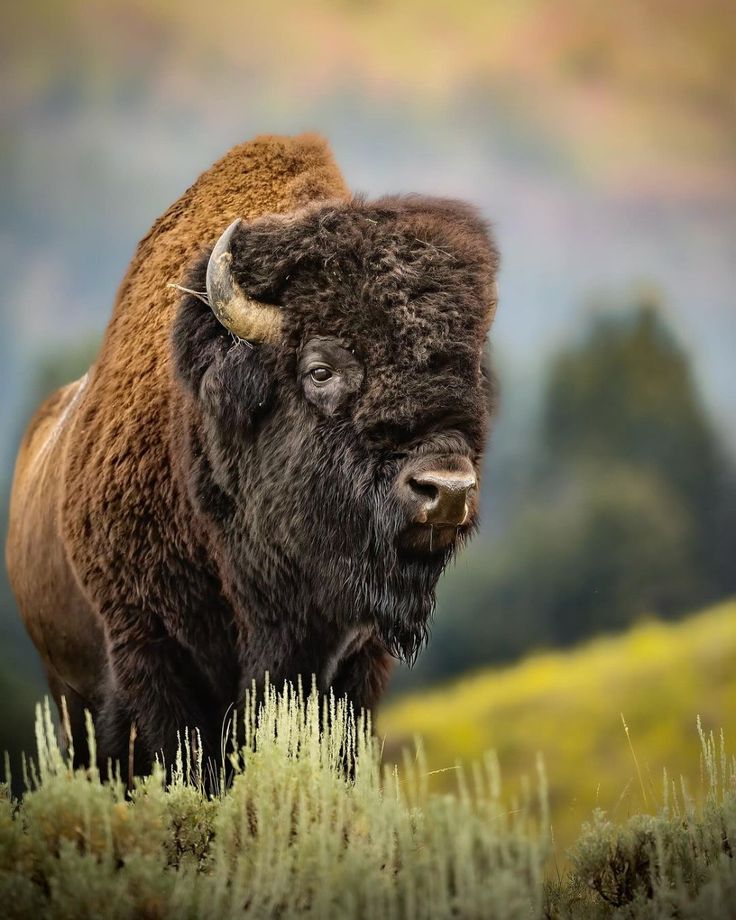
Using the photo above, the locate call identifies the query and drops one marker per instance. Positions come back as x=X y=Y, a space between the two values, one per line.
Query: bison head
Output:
x=338 y=403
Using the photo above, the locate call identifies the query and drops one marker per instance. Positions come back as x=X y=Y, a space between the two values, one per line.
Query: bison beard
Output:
x=201 y=510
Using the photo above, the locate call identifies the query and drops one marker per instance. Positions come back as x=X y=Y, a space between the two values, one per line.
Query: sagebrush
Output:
x=678 y=863
x=294 y=833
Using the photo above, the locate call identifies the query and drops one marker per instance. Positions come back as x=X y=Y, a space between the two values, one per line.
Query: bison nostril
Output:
x=440 y=497
x=426 y=490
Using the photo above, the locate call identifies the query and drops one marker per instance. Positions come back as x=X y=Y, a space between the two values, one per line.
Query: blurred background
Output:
x=600 y=140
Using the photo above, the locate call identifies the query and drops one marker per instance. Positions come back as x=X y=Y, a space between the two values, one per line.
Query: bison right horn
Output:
x=240 y=314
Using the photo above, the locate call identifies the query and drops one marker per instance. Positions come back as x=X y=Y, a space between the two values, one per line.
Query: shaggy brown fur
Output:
x=191 y=515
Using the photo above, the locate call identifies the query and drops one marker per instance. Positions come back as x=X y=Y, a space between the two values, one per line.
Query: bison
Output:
x=272 y=459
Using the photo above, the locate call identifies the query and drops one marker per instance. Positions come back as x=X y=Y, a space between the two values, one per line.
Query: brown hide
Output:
x=95 y=491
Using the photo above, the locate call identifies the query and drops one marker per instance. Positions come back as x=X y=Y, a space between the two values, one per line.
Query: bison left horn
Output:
x=240 y=314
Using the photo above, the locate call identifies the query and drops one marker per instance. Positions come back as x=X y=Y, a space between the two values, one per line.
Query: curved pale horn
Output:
x=247 y=318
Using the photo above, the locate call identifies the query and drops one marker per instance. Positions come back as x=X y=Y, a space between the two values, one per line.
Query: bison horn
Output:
x=242 y=315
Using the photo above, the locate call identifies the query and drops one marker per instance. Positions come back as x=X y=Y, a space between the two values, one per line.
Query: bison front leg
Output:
x=156 y=686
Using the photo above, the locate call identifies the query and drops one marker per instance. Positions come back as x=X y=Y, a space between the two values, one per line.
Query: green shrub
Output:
x=679 y=863
x=292 y=835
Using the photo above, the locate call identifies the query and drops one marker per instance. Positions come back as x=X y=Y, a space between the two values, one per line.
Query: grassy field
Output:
x=568 y=706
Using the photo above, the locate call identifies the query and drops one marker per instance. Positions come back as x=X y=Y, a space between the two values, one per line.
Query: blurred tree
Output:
x=626 y=395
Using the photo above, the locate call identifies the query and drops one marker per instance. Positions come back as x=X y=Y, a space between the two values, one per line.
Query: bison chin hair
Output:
x=397 y=601
x=365 y=578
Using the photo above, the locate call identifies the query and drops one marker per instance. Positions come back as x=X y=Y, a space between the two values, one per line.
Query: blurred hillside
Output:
x=569 y=707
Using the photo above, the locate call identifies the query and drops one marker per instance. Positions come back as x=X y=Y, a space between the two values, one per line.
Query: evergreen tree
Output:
x=626 y=397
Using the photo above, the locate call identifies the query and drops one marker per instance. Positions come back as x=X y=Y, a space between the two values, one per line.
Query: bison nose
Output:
x=440 y=497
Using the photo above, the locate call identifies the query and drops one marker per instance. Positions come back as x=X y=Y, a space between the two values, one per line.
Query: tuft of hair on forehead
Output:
x=428 y=208
x=434 y=220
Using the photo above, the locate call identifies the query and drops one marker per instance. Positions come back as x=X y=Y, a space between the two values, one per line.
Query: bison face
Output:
x=337 y=406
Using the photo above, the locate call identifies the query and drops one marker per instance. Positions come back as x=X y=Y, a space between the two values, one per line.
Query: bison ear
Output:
x=243 y=315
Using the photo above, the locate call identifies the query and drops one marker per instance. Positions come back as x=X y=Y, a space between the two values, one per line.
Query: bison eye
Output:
x=328 y=374
x=320 y=375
